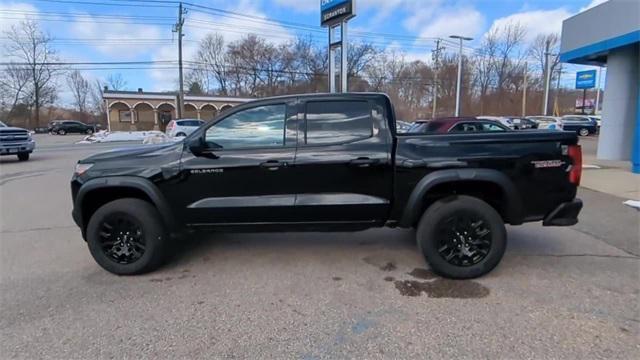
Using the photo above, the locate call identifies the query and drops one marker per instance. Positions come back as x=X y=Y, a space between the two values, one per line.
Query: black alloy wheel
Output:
x=464 y=239
x=121 y=239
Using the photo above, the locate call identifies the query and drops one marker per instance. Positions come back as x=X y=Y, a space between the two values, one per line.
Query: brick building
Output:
x=139 y=110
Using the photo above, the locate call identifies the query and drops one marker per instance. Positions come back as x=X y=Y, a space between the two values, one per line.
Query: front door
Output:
x=343 y=167
x=243 y=177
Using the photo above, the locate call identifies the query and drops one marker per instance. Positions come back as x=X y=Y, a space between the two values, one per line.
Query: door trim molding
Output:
x=324 y=199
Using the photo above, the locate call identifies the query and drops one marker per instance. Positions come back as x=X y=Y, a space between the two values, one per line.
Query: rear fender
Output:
x=513 y=207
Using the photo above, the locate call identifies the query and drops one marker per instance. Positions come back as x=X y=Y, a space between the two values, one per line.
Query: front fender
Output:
x=514 y=207
x=132 y=182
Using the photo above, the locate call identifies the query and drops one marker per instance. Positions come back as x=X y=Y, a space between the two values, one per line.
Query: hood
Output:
x=134 y=152
x=9 y=128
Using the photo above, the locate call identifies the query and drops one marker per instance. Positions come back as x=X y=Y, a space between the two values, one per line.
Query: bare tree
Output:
x=80 y=89
x=33 y=48
x=538 y=48
x=14 y=82
x=116 y=82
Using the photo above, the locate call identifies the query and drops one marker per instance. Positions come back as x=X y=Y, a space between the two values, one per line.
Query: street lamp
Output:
x=461 y=38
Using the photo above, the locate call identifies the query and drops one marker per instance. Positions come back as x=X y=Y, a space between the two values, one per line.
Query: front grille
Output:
x=13 y=136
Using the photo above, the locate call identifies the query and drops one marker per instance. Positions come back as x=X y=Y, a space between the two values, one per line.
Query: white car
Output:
x=182 y=127
x=547 y=122
x=501 y=119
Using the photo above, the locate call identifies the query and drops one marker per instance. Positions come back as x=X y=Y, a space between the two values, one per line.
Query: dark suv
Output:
x=64 y=127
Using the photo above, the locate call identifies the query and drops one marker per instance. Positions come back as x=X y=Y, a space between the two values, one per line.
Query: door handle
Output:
x=363 y=162
x=272 y=165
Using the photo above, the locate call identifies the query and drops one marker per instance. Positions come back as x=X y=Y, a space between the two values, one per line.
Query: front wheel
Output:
x=89 y=131
x=127 y=237
x=462 y=237
x=23 y=156
x=62 y=132
x=583 y=132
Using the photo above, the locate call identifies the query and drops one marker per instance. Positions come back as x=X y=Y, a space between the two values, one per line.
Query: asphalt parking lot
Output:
x=558 y=293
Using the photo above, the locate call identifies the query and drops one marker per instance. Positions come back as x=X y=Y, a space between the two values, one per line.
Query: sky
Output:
x=125 y=30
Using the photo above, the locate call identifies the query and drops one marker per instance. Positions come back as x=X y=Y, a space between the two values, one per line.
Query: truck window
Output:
x=333 y=122
x=258 y=127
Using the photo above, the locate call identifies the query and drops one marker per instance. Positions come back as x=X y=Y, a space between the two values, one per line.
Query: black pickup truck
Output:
x=327 y=162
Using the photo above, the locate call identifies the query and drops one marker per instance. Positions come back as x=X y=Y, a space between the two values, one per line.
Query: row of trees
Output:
x=494 y=74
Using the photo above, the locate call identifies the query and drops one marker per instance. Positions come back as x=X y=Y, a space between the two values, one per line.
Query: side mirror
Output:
x=196 y=145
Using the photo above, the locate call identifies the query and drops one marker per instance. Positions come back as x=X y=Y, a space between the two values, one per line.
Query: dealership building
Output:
x=139 y=110
x=609 y=35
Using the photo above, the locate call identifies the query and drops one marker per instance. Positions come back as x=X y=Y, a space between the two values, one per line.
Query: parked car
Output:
x=501 y=119
x=582 y=124
x=16 y=141
x=182 y=127
x=63 y=127
x=597 y=119
x=402 y=126
x=455 y=125
x=522 y=123
x=546 y=122
x=326 y=162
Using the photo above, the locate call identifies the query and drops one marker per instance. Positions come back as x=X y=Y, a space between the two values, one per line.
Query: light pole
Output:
x=461 y=38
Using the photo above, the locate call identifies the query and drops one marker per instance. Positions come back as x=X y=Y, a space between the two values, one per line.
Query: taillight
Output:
x=575 y=153
x=170 y=125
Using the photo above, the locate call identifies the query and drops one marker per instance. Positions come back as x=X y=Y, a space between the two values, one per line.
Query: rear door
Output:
x=343 y=169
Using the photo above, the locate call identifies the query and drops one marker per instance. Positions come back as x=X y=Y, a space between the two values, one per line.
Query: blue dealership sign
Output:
x=586 y=79
x=334 y=11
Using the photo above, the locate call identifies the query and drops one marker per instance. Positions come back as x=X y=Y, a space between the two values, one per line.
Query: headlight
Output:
x=82 y=168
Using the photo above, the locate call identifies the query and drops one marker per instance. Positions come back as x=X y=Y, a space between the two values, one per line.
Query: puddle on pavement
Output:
x=442 y=288
x=382 y=262
x=422 y=274
x=336 y=278
x=389 y=278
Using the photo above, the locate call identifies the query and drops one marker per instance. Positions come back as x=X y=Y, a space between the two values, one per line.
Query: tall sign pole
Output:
x=459 y=82
x=334 y=15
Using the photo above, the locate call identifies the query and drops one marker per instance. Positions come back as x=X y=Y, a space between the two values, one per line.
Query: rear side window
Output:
x=190 y=123
x=333 y=122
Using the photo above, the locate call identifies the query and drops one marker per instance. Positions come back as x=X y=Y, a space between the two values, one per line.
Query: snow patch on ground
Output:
x=633 y=203
x=145 y=137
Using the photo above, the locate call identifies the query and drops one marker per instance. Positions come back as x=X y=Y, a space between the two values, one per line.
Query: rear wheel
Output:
x=462 y=237
x=23 y=156
x=127 y=237
x=583 y=132
x=89 y=131
x=181 y=134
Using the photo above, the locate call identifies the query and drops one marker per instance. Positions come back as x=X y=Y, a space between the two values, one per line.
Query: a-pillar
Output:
x=620 y=114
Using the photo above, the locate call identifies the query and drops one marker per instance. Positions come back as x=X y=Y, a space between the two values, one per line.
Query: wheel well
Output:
x=487 y=191
x=94 y=199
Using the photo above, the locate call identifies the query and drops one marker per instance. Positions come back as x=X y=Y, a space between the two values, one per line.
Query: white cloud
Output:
x=465 y=21
x=535 y=22
x=126 y=30
x=15 y=14
x=593 y=3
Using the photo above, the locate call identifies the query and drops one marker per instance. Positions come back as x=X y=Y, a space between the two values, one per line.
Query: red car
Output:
x=456 y=124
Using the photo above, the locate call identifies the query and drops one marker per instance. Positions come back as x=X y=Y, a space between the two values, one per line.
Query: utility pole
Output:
x=524 y=90
x=595 y=110
x=436 y=59
x=547 y=77
x=177 y=28
x=458 y=85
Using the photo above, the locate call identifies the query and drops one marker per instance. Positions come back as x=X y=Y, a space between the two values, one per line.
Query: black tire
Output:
x=23 y=156
x=181 y=134
x=89 y=131
x=152 y=237
x=440 y=223
x=583 y=132
x=62 y=132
